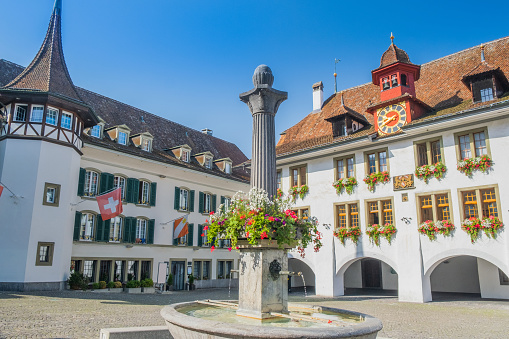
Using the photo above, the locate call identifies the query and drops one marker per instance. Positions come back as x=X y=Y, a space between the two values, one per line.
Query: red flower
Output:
x=203 y=234
x=264 y=235
x=242 y=216
x=212 y=248
x=206 y=228
x=211 y=213
x=247 y=234
x=271 y=218
x=229 y=249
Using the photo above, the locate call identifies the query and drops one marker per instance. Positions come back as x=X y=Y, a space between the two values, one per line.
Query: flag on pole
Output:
x=1 y=189
x=180 y=227
x=110 y=204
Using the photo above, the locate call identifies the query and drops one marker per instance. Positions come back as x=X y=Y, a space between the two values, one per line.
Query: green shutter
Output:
x=150 y=233
x=220 y=243
x=106 y=230
x=214 y=202
x=191 y=201
x=200 y=203
x=106 y=182
x=99 y=231
x=77 y=226
x=174 y=239
x=81 y=182
x=129 y=230
x=153 y=191
x=190 y=228
x=176 y=203
x=223 y=200
x=133 y=186
x=200 y=232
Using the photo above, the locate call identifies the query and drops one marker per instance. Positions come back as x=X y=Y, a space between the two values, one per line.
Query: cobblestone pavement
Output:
x=76 y=314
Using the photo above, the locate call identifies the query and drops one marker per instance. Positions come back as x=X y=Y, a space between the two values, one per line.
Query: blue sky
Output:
x=188 y=60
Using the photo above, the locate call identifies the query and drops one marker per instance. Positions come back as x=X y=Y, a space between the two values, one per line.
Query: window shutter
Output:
x=77 y=226
x=176 y=203
x=150 y=233
x=106 y=182
x=200 y=203
x=191 y=201
x=214 y=201
x=106 y=230
x=153 y=191
x=200 y=232
x=173 y=232
x=132 y=190
x=129 y=229
x=220 y=243
x=99 y=231
x=223 y=200
x=190 y=228
x=81 y=182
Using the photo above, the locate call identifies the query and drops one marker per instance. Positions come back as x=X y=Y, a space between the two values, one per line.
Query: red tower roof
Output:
x=392 y=55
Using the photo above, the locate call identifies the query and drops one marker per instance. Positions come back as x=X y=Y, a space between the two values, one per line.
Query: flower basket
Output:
x=347 y=183
x=427 y=172
x=489 y=225
x=473 y=227
x=255 y=220
x=376 y=231
x=482 y=164
x=298 y=191
x=343 y=233
x=279 y=193
x=430 y=228
x=375 y=178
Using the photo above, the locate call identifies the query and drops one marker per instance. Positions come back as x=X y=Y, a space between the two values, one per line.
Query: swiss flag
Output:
x=110 y=204
x=1 y=189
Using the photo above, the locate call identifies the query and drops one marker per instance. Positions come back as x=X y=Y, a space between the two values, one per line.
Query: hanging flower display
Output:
x=376 y=231
x=428 y=171
x=491 y=225
x=279 y=193
x=473 y=226
x=300 y=191
x=353 y=233
x=347 y=183
x=482 y=164
x=374 y=178
x=431 y=228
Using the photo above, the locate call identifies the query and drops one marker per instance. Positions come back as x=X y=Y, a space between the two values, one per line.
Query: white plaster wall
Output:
x=389 y=279
x=353 y=275
x=490 y=282
x=459 y=275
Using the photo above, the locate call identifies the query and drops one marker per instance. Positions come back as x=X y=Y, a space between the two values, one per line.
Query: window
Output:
x=394 y=80
x=185 y=155
x=184 y=200
x=96 y=131
x=207 y=203
x=403 y=80
x=486 y=94
x=204 y=238
x=385 y=84
x=380 y=212
x=182 y=241
x=144 y=193
x=119 y=270
x=347 y=215
x=116 y=228
x=472 y=144
x=197 y=270
x=201 y=269
x=227 y=202
x=345 y=167
x=298 y=176
x=21 y=113
x=279 y=179
x=44 y=254
x=141 y=231
x=208 y=162
x=122 y=138
x=91 y=181
x=434 y=207
x=504 y=280
x=104 y=270
x=119 y=181
x=146 y=269
x=89 y=269
x=51 y=194
x=66 y=120
x=37 y=113
x=52 y=116
x=227 y=167
x=428 y=152
x=224 y=268
x=301 y=212
x=87 y=227
x=376 y=161
x=132 y=270
x=146 y=144
x=479 y=202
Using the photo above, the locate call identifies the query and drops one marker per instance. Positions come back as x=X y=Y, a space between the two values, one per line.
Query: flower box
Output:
x=473 y=226
x=148 y=290
x=426 y=172
x=343 y=233
x=431 y=228
x=347 y=183
x=482 y=164
x=375 y=178
x=376 y=231
x=132 y=290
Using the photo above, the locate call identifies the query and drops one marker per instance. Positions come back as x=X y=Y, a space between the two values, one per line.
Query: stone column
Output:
x=263 y=102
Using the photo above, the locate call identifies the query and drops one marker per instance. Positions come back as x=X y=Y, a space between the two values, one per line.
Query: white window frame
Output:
x=120 y=181
x=37 y=113
x=65 y=116
x=141 y=229
x=52 y=116
x=185 y=155
x=227 y=203
x=208 y=162
x=184 y=199
x=145 y=192
x=116 y=224
x=91 y=186
x=97 y=134
x=146 y=144
x=207 y=202
x=15 y=117
x=182 y=241
x=87 y=226
x=228 y=168
x=51 y=195
x=122 y=138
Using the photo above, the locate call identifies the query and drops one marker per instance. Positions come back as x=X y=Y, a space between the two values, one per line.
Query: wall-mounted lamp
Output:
x=406 y=220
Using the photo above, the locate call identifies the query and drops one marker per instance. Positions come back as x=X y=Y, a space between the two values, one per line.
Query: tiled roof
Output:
x=167 y=134
x=483 y=67
x=48 y=71
x=440 y=87
x=392 y=55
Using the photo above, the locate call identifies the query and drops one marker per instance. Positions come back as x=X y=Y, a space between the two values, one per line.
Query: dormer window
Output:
x=96 y=131
x=122 y=138
x=146 y=144
x=224 y=165
x=208 y=162
x=185 y=155
x=205 y=159
x=228 y=168
x=143 y=141
x=486 y=94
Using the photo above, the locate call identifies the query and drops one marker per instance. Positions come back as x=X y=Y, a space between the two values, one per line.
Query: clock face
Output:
x=391 y=118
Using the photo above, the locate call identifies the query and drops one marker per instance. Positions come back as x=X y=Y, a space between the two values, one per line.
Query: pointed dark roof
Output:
x=392 y=55
x=48 y=71
x=483 y=67
x=345 y=110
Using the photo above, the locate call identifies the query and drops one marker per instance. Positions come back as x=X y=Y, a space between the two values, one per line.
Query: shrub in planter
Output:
x=77 y=281
x=102 y=284
x=147 y=283
x=111 y=284
x=133 y=284
x=96 y=286
x=117 y=284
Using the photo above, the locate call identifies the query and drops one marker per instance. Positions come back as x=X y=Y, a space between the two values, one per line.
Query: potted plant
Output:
x=191 y=282
x=169 y=283
x=133 y=286
x=77 y=281
x=114 y=286
x=147 y=286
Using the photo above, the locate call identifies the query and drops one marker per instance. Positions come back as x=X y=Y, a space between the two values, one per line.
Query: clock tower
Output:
x=398 y=104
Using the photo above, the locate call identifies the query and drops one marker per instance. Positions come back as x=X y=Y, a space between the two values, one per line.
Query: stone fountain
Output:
x=263 y=310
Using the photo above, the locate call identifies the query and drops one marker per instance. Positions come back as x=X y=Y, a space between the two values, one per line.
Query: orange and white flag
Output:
x=180 y=227
x=1 y=190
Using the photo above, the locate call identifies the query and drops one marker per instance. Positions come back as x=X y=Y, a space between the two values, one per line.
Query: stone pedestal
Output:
x=260 y=291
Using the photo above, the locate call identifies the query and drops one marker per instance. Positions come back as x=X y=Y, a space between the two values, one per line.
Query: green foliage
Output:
x=375 y=178
x=427 y=171
x=111 y=284
x=347 y=183
x=77 y=281
x=170 y=279
x=117 y=284
x=482 y=164
x=96 y=286
x=191 y=279
x=147 y=283
x=133 y=284
x=102 y=284
x=376 y=231
x=353 y=233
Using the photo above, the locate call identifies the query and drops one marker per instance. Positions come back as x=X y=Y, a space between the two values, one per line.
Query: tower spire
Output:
x=482 y=53
x=57 y=7
x=392 y=39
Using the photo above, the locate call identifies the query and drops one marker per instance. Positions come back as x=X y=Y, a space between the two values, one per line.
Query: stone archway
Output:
x=365 y=275
x=298 y=265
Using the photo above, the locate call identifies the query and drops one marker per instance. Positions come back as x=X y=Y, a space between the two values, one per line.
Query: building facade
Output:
x=431 y=139
x=61 y=146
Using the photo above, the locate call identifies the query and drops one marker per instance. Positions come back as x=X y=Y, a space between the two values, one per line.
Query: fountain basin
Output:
x=186 y=326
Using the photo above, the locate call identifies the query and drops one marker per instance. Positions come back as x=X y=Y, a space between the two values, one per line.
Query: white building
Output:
x=62 y=145
x=410 y=116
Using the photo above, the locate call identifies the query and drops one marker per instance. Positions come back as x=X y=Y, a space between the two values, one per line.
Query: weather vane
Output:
x=335 y=75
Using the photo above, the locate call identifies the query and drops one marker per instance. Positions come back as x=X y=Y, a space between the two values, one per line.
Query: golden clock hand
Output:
x=387 y=121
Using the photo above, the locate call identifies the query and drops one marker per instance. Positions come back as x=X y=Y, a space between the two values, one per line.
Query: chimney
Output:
x=317 y=96
x=206 y=131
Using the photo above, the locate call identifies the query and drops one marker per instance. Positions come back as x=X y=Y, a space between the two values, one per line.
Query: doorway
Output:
x=371 y=273
x=178 y=271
